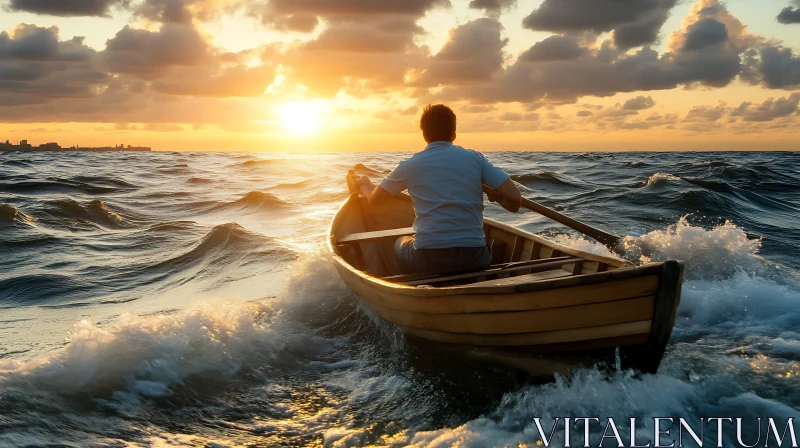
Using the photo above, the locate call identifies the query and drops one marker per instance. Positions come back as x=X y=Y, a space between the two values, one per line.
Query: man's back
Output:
x=445 y=183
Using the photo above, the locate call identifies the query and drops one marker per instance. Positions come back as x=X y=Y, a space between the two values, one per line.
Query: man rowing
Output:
x=445 y=182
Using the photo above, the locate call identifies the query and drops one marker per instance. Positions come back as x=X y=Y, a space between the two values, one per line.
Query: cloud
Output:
x=554 y=48
x=790 y=15
x=770 y=109
x=633 y=23
x=177 y=60
x=779 y=67
x=707 y=114
x=36 y=67
x=639 y=103
x=695 y=57
x=66 y=8
x=705 y=33
x=362 y=58
x=148 y=54
x=473 y=54
x=367 y=47
x=492 y=6
x=299 y=15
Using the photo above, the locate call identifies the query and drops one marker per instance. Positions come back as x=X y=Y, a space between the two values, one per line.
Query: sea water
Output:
x=186 y=299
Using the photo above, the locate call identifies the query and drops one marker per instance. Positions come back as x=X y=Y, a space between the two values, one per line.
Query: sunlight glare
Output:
x=301 y=118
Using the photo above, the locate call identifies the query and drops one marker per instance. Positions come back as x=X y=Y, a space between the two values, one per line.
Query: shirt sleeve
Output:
x=492 y=175
x=395 y=182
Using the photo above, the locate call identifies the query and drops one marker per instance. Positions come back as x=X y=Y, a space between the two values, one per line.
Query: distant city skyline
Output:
x=25 y=145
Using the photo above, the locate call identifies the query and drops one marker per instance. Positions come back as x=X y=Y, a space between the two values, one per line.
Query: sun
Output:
x=301 y=118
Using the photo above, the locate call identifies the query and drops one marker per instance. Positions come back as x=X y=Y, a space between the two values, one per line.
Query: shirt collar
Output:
x=441 y=144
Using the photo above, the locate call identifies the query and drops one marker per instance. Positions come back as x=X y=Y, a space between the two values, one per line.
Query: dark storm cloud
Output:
x=473 y=54
x=779 y=67
x=634 y=23
x=789 y=15
x=492 y=5
x=554 y=48
x=66 y=8
x=639 y=103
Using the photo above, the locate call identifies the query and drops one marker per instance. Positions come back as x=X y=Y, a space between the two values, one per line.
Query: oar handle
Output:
x=607 y=239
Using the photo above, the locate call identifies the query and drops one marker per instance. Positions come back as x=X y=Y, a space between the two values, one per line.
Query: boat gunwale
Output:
x=624 y=269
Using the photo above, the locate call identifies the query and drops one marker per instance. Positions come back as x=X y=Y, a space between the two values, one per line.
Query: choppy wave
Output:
x=260 y=162
x=36 y=288
x=93 y=214
x=55 y=186
x=255 y=201
x=544 y=177
x=17 y=163
x=11 y=215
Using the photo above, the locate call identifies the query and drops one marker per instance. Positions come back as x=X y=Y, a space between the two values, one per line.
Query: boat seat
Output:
x=535 y=266
x=364 y=237
x=525 y=279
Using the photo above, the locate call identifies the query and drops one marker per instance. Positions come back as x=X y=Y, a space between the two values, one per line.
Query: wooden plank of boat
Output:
x=527 y=301
x=425 y=275
x=538 y=338
x=536 y=267
x=564 y=318
x=364 y=237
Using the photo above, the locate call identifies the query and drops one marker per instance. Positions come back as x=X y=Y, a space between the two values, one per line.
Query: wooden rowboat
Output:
x=538 y=297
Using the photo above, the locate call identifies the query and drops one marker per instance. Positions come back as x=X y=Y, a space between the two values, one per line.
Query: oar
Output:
x=607 y=239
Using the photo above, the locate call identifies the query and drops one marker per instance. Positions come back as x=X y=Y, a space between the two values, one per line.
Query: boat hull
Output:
x=591 y=305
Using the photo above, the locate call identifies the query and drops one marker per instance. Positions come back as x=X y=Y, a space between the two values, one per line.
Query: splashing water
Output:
x=721 y=251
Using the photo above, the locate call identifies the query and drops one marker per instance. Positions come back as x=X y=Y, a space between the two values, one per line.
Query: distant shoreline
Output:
x=101 y=149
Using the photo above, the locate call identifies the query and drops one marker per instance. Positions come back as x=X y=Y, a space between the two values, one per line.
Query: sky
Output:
x=354 y=75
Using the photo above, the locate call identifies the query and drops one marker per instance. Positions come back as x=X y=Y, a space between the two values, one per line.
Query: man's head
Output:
x=438 y=123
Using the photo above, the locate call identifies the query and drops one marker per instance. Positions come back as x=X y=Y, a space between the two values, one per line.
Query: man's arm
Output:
x=375 y=195
x=508 y=196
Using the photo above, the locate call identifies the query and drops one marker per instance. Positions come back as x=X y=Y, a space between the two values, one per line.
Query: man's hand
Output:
x=494 y=197
x=507 y=195
x=363 y=180
x=375 y=195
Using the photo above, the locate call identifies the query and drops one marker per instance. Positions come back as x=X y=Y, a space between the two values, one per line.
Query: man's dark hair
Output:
x=438 y=123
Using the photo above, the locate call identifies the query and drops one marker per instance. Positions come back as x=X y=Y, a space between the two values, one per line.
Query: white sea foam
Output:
x=140 y=357
x=148 y=355
x=720 y=251
x=660 y=178
x=591 y=393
